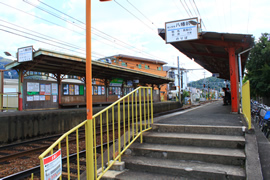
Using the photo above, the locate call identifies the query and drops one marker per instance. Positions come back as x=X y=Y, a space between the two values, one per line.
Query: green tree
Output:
x=258 y=68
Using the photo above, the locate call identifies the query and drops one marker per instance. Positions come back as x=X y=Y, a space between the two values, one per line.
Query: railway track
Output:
x=29 y=151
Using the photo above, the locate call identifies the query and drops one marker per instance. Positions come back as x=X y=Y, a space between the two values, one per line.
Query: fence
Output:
x=8 y=101
x=246 y=103
x=134 y=117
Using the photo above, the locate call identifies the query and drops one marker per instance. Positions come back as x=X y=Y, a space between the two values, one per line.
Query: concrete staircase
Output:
x=187 y=152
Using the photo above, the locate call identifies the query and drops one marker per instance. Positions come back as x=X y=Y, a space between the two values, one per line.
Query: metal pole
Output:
x=240 y=73
x=179 y=84
x=88 y=76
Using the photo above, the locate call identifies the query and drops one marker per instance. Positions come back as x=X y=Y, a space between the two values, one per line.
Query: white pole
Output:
x=240 y=73
x=179 y=84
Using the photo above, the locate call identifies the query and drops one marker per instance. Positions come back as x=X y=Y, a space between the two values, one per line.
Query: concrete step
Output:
x=203 y=140
x=199 y=129
x=205 y=154
x=178 y=168
x=135 y=175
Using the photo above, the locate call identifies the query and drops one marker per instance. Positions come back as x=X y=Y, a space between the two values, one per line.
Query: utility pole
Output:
x=179 y=84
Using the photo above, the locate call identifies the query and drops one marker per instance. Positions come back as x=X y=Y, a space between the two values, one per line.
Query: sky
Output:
x=123 y=26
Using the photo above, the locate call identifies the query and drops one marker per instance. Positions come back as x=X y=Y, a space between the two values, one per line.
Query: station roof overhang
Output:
x=58 y=63
x=210 y=50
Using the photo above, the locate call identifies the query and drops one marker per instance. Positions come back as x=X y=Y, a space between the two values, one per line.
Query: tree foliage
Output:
x=213 y=82
x=258 y=68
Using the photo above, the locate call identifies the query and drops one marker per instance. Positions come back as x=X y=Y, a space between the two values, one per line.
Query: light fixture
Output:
x=7 y=53
x=193 y=22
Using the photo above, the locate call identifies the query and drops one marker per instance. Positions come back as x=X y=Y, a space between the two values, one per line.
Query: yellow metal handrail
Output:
x=246 y=103
x=130 y=116
x=5 y=103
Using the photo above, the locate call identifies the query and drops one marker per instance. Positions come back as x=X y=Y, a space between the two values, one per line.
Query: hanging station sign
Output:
x=181 y=30
x=25 y=54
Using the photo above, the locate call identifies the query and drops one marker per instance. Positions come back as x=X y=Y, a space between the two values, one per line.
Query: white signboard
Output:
x=25 y=54
x=181 y=30
x=32 y=87
x=53 y=166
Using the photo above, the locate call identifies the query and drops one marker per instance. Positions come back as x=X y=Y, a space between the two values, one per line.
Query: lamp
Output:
x=7 y=53
x=193 y=22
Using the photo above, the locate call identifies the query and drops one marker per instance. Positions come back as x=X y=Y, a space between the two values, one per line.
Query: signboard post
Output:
x=181 y=30
x=53 y=166
x=25 y=54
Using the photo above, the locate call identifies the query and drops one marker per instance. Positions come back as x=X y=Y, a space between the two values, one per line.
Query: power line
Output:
x=40 y=37
x=59 y=41
x=142 y=14
x=53 y=14
x=133 y=15
x=40 y=18
x=185 y=8
x=92 y=28
x=196 y=14
x=199 y=13
x=61 y=12
x=40 y=41
x=188 y=7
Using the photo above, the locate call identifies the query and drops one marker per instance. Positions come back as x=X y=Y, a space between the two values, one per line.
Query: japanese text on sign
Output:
x=181 y=30
x=25 y=54
x=53 y=166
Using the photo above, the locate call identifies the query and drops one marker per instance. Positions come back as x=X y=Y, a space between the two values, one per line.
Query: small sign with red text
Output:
x=53 y=166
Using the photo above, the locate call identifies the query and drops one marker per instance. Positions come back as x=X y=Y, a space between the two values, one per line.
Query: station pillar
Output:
x=20 y=88
x=234 y=79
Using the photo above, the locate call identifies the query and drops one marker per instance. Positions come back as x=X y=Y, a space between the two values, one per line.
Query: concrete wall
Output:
x=16 y=126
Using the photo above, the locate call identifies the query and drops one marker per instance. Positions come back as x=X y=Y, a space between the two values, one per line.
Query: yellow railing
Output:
x=8 y=101
x=134 y=117
x=246 y=103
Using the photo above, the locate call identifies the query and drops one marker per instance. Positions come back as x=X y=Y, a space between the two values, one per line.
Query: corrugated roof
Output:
x=139 y=58
x=54 y=62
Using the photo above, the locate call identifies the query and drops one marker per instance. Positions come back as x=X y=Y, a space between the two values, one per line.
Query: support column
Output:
x=20 y=88
x=1 y=90
x=59 y=82
x=234 y=79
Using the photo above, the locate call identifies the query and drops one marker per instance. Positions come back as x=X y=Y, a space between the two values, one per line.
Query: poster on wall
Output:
x=32 y=88
x=71 y=89
x=36 y=97
x=54 y=89
x=119 y=91
x=102 y=90
x=29 y=98
x=99 y=90
x=42 y=89
x=47 y=89
x=116 y=90
x=65 y=89
x=42 y=97
x=110 y=90
x=95 y=90
x=77 y=90
x=47 y=98
x=54 y=98
x=82 y=89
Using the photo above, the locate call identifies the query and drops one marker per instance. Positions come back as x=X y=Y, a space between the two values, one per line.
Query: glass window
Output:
x=147 y=67
x=159 y=68
x=124 y=64
x=139 y=66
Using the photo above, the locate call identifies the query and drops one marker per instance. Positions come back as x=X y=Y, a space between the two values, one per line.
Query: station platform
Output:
x=207 y=116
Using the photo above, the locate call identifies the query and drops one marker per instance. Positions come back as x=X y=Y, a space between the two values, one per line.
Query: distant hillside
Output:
x=214 y=83
x=8 y=74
